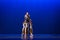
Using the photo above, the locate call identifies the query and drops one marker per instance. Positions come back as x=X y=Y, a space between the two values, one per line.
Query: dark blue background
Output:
x=45 y=15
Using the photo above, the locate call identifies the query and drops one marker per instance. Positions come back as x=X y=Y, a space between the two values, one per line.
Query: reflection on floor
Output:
x=35 y=37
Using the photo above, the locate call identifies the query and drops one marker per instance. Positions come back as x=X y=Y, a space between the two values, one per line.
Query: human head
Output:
x=27 y=13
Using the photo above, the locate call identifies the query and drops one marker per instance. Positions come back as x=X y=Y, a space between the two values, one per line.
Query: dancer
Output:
x=27 y=24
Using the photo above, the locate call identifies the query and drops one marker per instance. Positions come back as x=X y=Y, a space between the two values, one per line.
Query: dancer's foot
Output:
x=25 y=36
x=31 y=36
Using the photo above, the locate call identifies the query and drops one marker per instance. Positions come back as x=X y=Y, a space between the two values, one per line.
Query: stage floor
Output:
x=35 y=37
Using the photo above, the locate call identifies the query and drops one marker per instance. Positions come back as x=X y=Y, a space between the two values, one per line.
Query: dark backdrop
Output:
x=45 y=15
